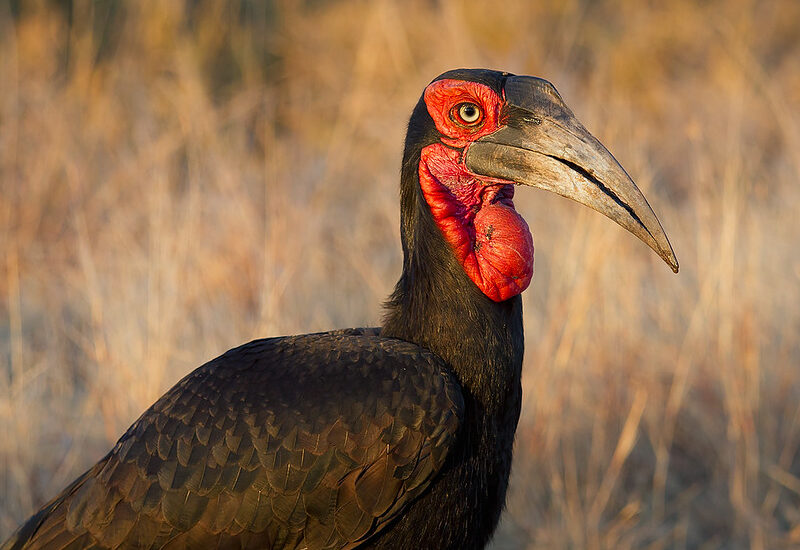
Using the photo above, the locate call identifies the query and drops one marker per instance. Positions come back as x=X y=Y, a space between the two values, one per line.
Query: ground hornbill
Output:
x=396 y=437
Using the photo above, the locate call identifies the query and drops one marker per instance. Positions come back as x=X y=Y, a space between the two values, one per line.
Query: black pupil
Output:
x=469 y=111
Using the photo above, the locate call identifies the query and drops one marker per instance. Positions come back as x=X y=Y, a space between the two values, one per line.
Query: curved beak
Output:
x=542 y=144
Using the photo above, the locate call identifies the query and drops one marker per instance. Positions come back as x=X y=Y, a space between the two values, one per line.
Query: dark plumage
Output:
x=210 y=465
x=398 y=437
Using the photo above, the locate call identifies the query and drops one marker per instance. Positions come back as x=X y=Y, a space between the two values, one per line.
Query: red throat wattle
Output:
x=476 y=214
x=489 y=238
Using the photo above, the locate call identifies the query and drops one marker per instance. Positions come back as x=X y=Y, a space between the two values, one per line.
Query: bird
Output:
x=395 y=437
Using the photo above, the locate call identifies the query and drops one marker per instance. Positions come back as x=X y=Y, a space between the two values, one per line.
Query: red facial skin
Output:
x=475 y=213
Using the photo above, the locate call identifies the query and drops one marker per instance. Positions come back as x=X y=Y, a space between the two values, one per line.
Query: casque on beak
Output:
x=542 y=144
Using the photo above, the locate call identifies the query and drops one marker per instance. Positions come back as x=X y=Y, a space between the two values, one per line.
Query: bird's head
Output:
x=477 y=133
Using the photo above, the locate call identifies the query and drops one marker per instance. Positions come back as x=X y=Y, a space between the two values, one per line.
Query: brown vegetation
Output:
x=179 y=177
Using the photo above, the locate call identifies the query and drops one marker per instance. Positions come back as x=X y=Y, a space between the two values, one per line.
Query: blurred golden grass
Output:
x=177 y=178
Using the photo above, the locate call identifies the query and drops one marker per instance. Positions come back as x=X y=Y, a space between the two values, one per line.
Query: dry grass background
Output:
x=179 y=177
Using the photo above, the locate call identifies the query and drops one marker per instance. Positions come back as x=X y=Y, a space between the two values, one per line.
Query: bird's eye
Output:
x=468 y=113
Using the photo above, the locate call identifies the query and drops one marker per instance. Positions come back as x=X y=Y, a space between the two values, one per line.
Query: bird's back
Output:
x=313 y=441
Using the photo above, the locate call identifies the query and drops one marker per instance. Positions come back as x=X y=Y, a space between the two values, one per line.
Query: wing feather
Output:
x=314 y=441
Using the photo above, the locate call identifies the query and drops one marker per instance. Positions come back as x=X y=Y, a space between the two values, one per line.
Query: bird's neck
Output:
x=437 y=306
